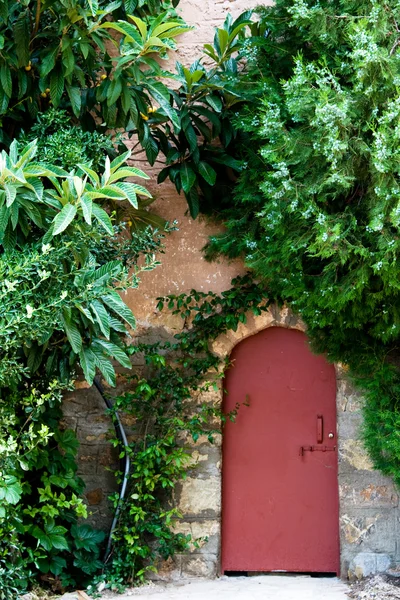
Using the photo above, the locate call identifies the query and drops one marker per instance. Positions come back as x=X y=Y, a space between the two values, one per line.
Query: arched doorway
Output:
x=280 y=485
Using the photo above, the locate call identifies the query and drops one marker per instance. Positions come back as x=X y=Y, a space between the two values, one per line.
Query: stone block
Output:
x=199 y=566
x=207 y=532
x=200 y=497
x=205 y=463
x=353 y=456
x=349 y=425
x=69 y=423
x=94 y=497
x=108 y=457
x=367 y=490
x=87 y=460
x=167 y=570
x=91 y=432
x=365 y=564
x=348 y=399
x=369 y=530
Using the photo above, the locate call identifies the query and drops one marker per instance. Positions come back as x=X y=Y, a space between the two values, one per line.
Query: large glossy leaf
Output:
x=207 y=172
x=113 y=351
x=101 y=316
x=88 y=364
x=114 y=301
x=64 y=218
x=188 y=177
x=72 y=332
x=103 y=219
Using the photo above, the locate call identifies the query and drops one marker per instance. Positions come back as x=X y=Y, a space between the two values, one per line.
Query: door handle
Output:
x=320 y=429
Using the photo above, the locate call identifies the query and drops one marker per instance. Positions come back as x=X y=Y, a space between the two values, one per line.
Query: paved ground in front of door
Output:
x=266 y=587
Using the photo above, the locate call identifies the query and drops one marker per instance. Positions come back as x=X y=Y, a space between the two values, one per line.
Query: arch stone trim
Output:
x=273 y=317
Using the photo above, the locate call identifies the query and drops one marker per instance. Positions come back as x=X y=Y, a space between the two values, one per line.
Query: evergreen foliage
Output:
x=316 y=211
x=62 y=262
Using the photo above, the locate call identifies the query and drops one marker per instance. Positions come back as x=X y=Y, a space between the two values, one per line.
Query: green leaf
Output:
x=207 y=172
x=105 y=367
x=114 y=301
x=5 y=79
x=127 y=172
x=11 y=193
x=129 y=31
x=215 y=102
x=141 y=25
x=49 y=60
x=74 y=94
x=101 y=316
x=91 y=174
x=93 y=6
x=88 y=364
x=103 y=219
x=57 y=565
x=10 y=489
x=222 y=36
x=68 y=60
x=72 y=332
x=87 y=207
x=114 y=351
x=22 y=36
x=188 y=177
x=161 y=95
x=108 y=191
x=114 y=91
x=87 y=538
x=64 y=218
x=193 y=202
x=56 y=85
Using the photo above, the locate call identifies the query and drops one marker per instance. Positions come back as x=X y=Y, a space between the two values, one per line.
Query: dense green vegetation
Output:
x=316 y=210
x=286 y=131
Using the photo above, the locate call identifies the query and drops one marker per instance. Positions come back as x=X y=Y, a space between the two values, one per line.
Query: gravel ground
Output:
x=376 y=588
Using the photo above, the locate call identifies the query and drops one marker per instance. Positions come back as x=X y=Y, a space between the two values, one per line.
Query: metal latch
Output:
x=316 y=449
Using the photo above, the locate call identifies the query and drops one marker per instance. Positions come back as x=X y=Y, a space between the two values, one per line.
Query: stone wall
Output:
x=369 y=511
x=369 y=517
x=369 y=502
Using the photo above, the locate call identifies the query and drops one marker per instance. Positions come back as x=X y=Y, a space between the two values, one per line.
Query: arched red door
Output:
x=280 y=485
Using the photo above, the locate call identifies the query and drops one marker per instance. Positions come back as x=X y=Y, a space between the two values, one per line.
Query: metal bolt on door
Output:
x=280 y=485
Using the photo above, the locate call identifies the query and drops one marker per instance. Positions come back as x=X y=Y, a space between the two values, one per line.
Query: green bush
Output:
x=62 y=264
x=316 y=209
x=56 y=53
x=62 y=143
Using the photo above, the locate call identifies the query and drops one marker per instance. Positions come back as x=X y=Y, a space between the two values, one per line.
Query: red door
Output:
x=280 y=485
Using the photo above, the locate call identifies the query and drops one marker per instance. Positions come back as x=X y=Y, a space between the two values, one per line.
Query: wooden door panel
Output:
x=280 y=507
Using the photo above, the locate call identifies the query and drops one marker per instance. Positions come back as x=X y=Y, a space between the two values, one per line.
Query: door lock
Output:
x=316 y=449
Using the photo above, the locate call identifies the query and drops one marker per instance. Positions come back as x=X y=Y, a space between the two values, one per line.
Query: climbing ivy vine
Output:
x=169 y=417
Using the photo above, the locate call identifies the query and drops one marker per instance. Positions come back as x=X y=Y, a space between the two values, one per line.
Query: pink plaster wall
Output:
x=183 y=266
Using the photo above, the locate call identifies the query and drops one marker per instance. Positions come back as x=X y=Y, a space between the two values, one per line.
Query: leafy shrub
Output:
x=40 y=501
x=166 y=418
x=61 y=266
x=56 y=53
x=316 y=211
x=61 y=143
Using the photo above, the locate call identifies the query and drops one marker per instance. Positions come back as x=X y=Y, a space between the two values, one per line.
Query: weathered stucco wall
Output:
x=369 y=513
